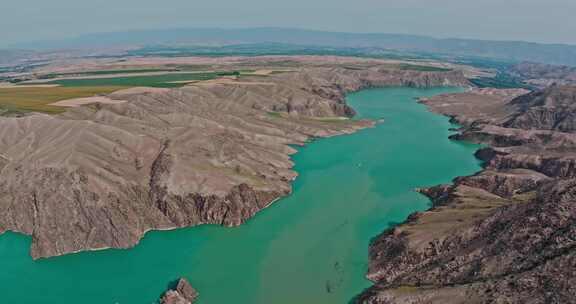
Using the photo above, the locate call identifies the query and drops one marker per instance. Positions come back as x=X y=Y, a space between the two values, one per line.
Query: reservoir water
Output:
x=310 y=247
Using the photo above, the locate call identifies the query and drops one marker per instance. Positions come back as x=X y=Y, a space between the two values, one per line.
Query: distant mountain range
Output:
x=506 y=50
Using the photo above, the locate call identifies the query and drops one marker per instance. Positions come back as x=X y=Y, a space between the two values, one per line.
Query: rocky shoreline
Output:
x=101 y=176
x=504 y=235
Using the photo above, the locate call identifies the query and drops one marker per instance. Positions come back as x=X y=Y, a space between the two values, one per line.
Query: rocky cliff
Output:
x=101 y=176
x=504 y=235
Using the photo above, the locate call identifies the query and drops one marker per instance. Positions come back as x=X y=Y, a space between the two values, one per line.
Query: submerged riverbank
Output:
x=310 y=247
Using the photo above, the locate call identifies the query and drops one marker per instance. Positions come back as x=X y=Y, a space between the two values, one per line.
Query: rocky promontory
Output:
x=216 y=152
x=504 y=235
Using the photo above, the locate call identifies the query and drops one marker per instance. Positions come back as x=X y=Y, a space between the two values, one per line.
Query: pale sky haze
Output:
x=549 y=21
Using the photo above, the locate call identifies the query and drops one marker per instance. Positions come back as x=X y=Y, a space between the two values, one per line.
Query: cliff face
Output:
x=100 y=176
x=504 y=235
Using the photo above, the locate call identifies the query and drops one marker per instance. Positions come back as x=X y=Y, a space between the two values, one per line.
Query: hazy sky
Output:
x=532 y=20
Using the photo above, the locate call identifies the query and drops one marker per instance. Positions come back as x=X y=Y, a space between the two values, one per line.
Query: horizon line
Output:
x=19 y=45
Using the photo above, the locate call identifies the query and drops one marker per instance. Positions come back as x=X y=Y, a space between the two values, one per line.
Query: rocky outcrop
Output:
x=101 y=176
x=504 y=235
x=183 y=293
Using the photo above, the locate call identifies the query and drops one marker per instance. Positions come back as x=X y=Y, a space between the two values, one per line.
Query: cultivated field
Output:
x=162 y=81
x=38 y=99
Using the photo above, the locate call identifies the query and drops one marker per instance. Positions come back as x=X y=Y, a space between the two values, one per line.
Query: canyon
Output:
x=217 y=152
x=101 y=176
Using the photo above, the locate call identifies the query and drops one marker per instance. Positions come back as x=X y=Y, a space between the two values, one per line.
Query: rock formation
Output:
x=504 y=235
x=183 y=293
x=102 y=175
